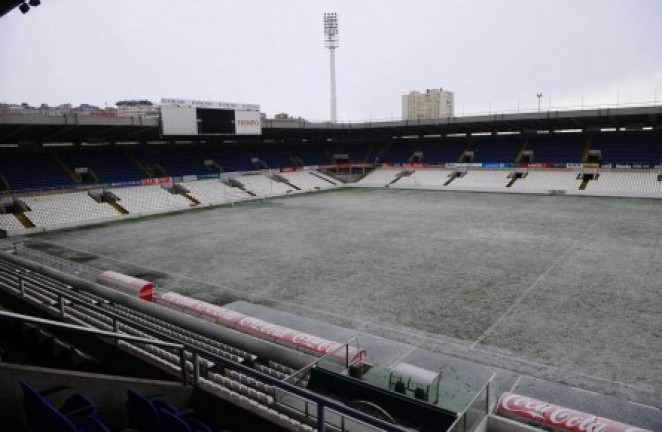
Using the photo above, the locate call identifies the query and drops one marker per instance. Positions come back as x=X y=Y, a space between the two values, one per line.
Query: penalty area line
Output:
x=535 y=283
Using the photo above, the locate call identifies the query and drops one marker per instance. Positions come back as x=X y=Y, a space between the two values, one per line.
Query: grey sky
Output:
x=491 y=53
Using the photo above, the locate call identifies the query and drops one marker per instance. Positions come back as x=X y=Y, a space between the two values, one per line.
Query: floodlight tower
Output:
x=331 y=42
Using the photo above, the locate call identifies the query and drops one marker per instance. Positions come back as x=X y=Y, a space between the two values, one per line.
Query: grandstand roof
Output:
x=34 y=129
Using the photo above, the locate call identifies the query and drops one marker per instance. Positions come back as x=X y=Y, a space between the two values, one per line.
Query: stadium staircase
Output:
x=281 y=179
x=24 y=220
x=239 y=185
x=320 y=176
x=148 y=173
x=452 y=176
x=521 y=150
x=400 y=175
x=468 y=147
x=118 y=208
x=72 y=175
x=4 y=184
x=190 y=198
x=587 y=148
x=586 y=179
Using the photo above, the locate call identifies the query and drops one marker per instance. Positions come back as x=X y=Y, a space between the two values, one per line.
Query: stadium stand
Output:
x=229 y=384
x=66 y=209
x=263 y=186
x=77 y=413
x=445 y=151
x=109 y=165
x=149 y=199
x=564 y=148
x=172 y=160
x=425 y=178
x=357 y=152
x=33 y=170
x=629 y=150
x=379 y=177
x=626 y=182
x=273 y=157
x=543 y=181
x=482 y=179
x=312 y=154
x=229 y=158
x=10 y=224
x=306 y=181
x=213 y=191
x=397 y=152
x=496 y=150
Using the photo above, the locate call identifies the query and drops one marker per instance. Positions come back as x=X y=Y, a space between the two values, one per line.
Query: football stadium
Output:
x=200 y=266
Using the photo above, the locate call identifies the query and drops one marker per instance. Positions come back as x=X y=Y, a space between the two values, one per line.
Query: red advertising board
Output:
x=412 y=165
x=538 y=165
x=260 y=328
x=554 y=417
x=128 y=284
x=156 y=181
x=288 y=169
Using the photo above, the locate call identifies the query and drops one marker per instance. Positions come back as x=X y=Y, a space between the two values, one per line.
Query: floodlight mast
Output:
x=331 y=42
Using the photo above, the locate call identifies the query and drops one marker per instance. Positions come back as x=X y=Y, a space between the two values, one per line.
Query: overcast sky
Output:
x=491 y=53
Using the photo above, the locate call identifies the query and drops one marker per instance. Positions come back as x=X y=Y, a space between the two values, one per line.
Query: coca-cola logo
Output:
x=557 y=416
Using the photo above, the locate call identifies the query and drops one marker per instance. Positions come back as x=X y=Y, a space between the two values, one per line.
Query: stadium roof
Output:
x=35 y=129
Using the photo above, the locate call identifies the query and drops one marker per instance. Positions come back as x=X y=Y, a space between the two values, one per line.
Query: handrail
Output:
x=316 y=361
x=82 y=329
x=322 y=402
x=462 y=415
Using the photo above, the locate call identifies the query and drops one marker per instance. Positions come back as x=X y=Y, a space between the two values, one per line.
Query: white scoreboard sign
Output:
x=181 y=117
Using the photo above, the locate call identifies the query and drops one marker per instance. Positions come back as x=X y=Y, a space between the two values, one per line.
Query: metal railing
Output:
x=477 y=409
x=322 y=404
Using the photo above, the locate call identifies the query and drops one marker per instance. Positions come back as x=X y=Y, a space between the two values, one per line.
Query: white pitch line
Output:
x=404 y=356
x=535 y=283
x=345 y=317
x=516 y=383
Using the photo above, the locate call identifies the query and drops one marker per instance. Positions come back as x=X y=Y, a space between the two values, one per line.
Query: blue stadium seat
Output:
x=77 y=414
x=172 y=422
x=142 y=412
x=158 y=415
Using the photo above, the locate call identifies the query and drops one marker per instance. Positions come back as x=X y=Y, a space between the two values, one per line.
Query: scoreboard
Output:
x=181 y=117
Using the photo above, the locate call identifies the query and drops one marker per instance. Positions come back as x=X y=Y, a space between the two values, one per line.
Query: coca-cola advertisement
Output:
x=260 y=328
x=555 y=417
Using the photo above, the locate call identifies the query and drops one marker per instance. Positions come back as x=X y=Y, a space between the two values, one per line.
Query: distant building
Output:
x=136 y=108
x=433 y=104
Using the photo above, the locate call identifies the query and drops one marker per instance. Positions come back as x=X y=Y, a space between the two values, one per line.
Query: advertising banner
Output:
x=554 y=417
x=463 y=165
x=127 y=284
x=247 y=123
x=260 y=328
x=538 y=165
x=157 y=181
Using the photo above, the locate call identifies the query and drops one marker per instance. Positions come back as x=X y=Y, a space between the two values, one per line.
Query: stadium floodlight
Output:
x=538 y=95
x=34 y=2
x=24 y=8
x=331 y=42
